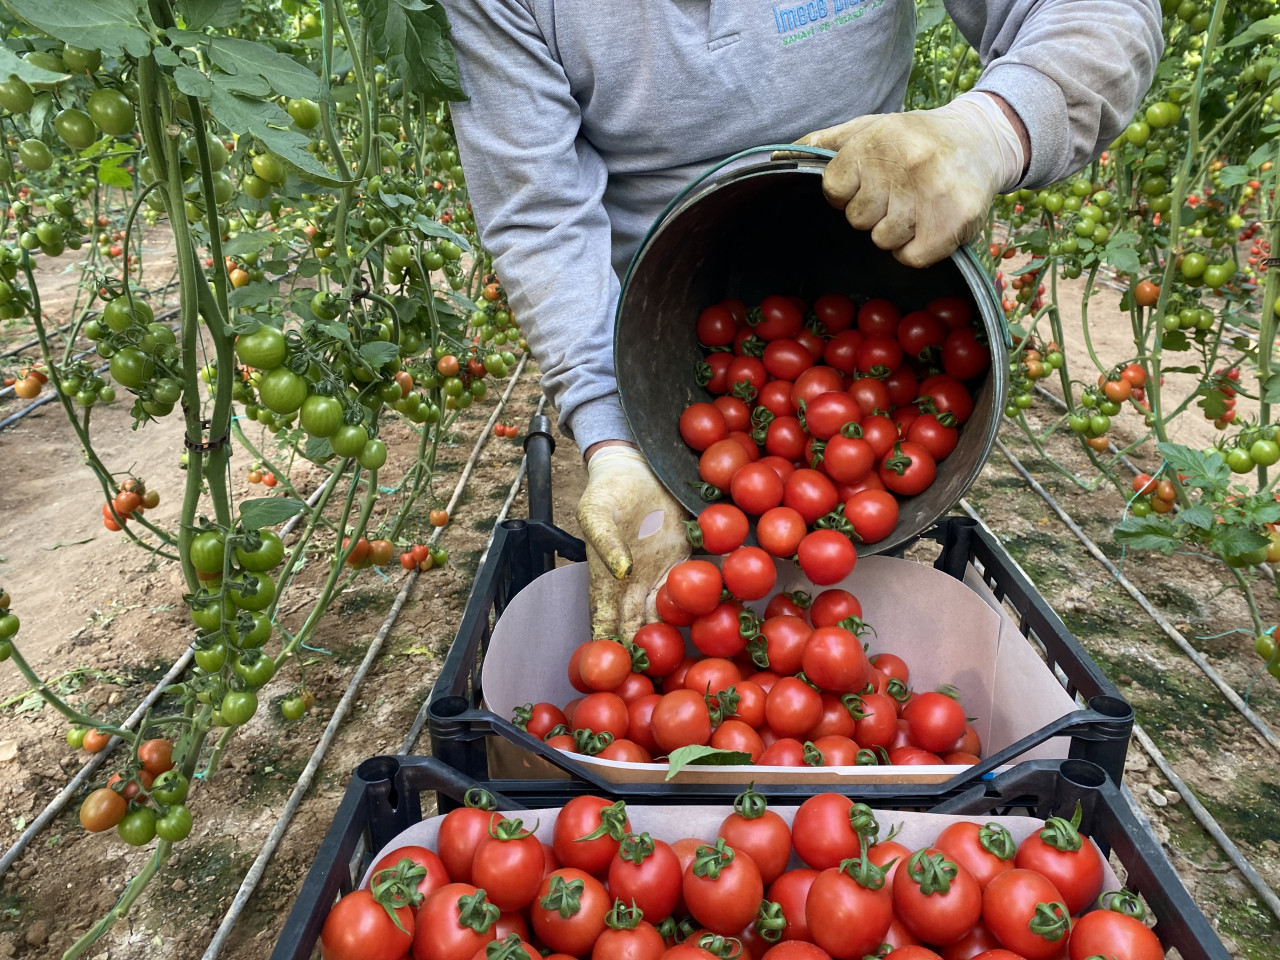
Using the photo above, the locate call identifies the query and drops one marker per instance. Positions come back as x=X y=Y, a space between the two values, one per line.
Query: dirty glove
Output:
x=922 y=182
x=635 y=534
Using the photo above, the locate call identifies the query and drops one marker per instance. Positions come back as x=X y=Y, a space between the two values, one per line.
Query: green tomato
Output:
x=117 y=315
x=321 y=416
x=373 y=455
x=1140 y=508
x=1218 y=274
x=265 y=555
x=264 y=349
x=1193 y=265
x=1239 y=460
x=1138 y=133
x=261 y=599
x=255 y=186
x=305 y=113
x=238 y=707
x=1264 y=452
x=254 y=668
x=258 y=634
x=131 y=368
x=325 y=307
x=269 y=167
x=349 y=440
x=15 y=95
x=212 y=658
x=1264 y=645
x=282 y=391
x=111 y=111
x=80 y=60
x=75 y=737
x=138 y=827
x=35 y=155
x=75 y=128
x=170 y=787
x=1099 y=424
x=175 y=824
x=293 y=708
x=208 y=551
x=1250 y=559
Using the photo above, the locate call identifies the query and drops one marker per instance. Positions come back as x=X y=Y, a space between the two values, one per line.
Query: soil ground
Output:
x=106 y=619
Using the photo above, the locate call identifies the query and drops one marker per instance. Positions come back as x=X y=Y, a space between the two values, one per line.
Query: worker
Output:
x=586 y=117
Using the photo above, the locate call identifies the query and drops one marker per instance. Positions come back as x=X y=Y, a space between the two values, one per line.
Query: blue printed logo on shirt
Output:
x=806 y=20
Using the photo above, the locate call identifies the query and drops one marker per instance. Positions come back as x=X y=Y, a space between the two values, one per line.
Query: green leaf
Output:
x=1201 y=515
x=1206 y=471
x=1123 y=258
x=246 y=243
x=1234 y=176
x=1186 y=216
x=270 y=124
x=433 y=228
x=929 y=13
x=198 y=14
x=1255 y=31
x=253 y=65
x=1214 y=404
x=412 y=38
x=704 y=756
x=253 y=294
x=111 y=173
x=310 y=268
x=111 y=26
x=317 y=449
x=1149 y=533
x=11 y=64
x=1271 y=389
x=1231 y=540
x=1266 y=512
x=378 y=353
x=192 y=82
x=268 y=511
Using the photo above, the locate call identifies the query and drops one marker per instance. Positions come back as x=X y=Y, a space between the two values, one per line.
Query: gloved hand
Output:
x=635 y=534
x=922 y=182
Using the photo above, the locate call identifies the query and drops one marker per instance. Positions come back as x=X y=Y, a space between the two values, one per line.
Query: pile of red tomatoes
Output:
x=791 y=688
x=823 y=414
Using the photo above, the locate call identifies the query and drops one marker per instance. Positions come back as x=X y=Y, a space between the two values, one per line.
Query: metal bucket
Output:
x=767 y=228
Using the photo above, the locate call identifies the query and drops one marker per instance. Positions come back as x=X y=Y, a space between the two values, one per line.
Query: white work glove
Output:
x=922 y=182
x=635 y=534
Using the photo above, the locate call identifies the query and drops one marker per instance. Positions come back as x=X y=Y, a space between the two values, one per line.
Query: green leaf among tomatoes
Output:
x=111 y=26
x=704 y=756
x=268 y=511
x=252 y=66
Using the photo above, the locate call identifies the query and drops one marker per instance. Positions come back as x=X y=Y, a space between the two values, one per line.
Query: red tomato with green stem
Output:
x=777 y=318
x=695 y=585
x=826 y=829
x=756 y=488
x=879 y=356
x=508 y=864
x=775 y=397
x=713 y=373
x=737 y=415
x=881 y=432
x=849 y=908
x=663 y=646
x=876 y=720
x=835 y=312
x=359 y=927
x=789 y=892
x=937 y=899
x=681 y=719
x=1115 y=931
x=627 y=937
x=784 y=637
x=780 y=530
x=587 y=833
x=985 y=850
x=811 y=494
x=938 y=437
x=601 y=712
x=701 y=425
x=792 y=707
x=646 y=872
x=827 y=413
x=719 y=633
x=785 y=438
x=903 y=386
x=936 y=720
x=873 y=514
x=813 y=383
x=1067 y=858
x=1024 y=911
x=919 y=331
x=436 y=876
x=569 y=910
x=722 y=888
x=723 y=527
x=833 y=659
x=870 y=394
x=948 y=395
x=836 y=720
x=831 y=606
x=826 y=556
x=758 y=832
x=603 y=664
x=461 y=832
x=720 y=461
x=909 y=470
x=847 y=459
x=453 y=923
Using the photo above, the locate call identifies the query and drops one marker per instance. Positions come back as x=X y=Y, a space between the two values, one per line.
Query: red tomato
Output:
x=879 y=356
x=786 y=359
x=737 y=415
x=508 y=864
x=635 y=686
x=938 y=438
x=792 y=708
x=736 y=308
x=640 y=722
x=739 y=736
x=955 y=312
x=436 y=877
x=849 y=910
x=847 y=460
x=748 y=444
x=601 y=712
x=964 y=356
x=777 y=318
x=785 y=637
x=822 y=830
x=984 y=850
x=841 y=352
x=722 y=888
x=811 y=494
x=811 y=342
x=641 y=942
x=813 y=383
x=719 y=633
x=701 y=425
x=835 y=311
x=720 y=461
x=663 y=644
x=783 y=468
x=784 y=752
x=579 y=895
x=647 y=872
x=716 y=327
x=670 y=611
x=936 y=721
x=831 y=606
x=724 y=527
x=1111 y=934
x=603 y=664
x=582 y=817
x=920 y=330
x=826 y=556
x=949 y=396
x=974 y=943
x=780 y=531
x=903 y=386
x=832 y=750
x=879 y=318
x=749 y=371
x=756 y=487
x=870 y=394
x=891 y=665
x=828 y=412
x=748 y=572
x=681 y=719
x=1009 y=904
x=438 y=934
x=872 y=513
x=879 y=721
x=711 y=675
x=713 y=373
x=936 y=910
x=758 y=832
x=695 y=586
x=785 y=438
x=460 y=833
x=909 y=470
x=359 y=928
x=834 y=660
x=1067 y=858
x=881 y=432
x=790 y=891
x=889 y=854
x=776 y=398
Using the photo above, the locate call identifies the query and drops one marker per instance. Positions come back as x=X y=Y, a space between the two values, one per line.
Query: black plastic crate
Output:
x=522 y=550
x=386 y=796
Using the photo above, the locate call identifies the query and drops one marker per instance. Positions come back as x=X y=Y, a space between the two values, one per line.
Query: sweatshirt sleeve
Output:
x=536 y=188
x=1073 y=70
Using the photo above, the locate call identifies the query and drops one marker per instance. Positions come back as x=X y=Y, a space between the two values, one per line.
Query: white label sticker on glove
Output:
x=651 y=524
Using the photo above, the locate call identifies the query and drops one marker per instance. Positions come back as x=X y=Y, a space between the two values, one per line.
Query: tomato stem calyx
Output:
x=709 y=861
x=750 y=804
x=932 y=871
x=636 y=847
x=770 y=921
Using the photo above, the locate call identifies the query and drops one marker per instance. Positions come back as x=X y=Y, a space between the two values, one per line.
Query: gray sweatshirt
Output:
x=587 y=116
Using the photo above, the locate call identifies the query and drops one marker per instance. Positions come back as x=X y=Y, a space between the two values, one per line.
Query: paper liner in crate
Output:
x=672 y=823
x=948 y=631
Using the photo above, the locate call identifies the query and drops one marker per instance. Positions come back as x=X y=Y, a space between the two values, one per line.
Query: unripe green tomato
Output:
x=1140 y=508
